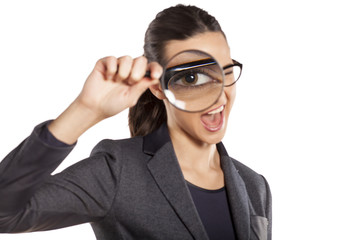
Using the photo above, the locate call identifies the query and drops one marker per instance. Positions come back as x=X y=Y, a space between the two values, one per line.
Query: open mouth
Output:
x=214 y=119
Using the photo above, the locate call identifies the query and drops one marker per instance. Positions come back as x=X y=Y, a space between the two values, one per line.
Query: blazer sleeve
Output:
x=33 y=200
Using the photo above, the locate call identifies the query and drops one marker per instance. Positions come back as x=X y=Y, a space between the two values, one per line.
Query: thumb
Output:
x=144 y=84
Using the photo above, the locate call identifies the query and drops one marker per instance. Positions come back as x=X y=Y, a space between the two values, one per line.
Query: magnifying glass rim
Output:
x=164 y=87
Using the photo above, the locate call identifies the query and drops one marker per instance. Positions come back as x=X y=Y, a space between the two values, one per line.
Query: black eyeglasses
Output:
x=232 y=72
x=193 y=80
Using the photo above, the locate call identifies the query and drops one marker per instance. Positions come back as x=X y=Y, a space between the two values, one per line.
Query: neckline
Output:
x=204 y=189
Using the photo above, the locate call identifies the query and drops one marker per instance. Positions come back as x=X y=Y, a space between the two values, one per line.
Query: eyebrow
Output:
x=193 y=64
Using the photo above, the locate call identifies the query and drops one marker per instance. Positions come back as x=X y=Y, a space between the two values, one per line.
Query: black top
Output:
x=213 y=209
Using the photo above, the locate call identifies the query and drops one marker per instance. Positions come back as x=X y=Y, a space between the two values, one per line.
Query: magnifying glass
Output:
x=192 y=81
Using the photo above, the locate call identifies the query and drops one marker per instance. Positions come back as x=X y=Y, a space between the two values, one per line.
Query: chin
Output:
x=214 y=137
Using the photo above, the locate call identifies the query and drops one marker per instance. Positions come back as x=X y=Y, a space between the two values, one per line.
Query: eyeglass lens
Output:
x=232 y=74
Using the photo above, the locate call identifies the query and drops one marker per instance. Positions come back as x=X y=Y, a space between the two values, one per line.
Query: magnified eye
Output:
x=192 y=79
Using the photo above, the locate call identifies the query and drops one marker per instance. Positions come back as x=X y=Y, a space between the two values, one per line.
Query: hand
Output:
x=116 y=84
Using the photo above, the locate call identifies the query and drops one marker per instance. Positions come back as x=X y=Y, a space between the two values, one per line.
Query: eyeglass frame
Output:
x=205 y=62
x=235 y=63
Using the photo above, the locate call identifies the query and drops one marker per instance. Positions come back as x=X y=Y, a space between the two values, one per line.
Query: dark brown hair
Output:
x=175 y=23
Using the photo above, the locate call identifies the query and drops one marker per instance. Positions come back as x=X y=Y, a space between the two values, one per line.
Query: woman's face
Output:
x=208 y=126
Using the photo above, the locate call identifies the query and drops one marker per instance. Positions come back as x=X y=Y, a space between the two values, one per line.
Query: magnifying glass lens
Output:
x=193 y=81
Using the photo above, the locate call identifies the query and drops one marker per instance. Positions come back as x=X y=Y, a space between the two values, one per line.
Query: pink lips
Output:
x=213 y=120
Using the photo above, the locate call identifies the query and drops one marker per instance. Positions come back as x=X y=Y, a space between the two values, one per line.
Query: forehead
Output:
x=213 y=43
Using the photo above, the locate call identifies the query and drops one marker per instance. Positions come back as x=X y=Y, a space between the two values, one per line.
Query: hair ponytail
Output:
x=147 y=115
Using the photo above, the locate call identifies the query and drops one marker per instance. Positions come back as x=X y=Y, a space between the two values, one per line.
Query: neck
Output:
x=194 y=154
x=199 y=161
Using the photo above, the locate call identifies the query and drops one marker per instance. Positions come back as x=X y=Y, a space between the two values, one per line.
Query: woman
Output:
x=172 y=180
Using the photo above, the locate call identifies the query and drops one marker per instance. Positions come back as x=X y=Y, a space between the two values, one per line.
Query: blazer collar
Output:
x=237 y=194
x=155 y=140
x=166 y=171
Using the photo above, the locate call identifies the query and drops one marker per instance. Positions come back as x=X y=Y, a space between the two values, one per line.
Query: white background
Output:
x=296 y=117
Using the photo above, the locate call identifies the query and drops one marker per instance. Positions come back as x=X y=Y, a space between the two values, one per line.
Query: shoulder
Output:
x=116 y=155
x=118 y=152
x=256 y=185
x=109 y=146
x=250 y=176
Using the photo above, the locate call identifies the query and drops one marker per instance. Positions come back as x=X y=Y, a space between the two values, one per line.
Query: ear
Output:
x=157 y=91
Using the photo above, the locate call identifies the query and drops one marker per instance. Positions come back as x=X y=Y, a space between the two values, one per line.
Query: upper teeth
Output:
x=217 y=110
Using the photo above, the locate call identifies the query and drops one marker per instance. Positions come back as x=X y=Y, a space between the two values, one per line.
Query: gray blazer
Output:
x=126 y=189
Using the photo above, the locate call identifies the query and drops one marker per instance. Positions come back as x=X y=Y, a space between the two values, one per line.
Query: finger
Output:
x=108 y=66
x=144 y=84
x=124 y=68
x=155 y=69
x=138 y=70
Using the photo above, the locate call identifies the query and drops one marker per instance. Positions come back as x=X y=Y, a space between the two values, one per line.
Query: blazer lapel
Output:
x=237 y=195
x=166 y=171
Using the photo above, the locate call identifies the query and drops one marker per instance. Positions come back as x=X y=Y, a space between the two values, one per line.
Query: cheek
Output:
x=180 y=118
x=186 y=120
x=230 y=95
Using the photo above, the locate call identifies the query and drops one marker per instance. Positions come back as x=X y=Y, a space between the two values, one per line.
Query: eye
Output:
x=191 y=79
x=229 y=72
